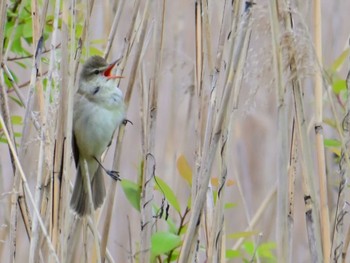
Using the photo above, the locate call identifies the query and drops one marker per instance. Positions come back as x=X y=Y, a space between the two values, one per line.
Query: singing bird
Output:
x=98 y=110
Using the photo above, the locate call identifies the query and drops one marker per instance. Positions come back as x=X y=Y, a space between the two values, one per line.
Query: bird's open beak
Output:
x=108 y=71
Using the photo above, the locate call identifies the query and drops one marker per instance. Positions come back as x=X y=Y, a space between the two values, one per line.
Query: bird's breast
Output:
x=95 y=123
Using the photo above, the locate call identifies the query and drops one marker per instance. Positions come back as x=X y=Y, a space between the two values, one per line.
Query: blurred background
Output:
x=252 y=144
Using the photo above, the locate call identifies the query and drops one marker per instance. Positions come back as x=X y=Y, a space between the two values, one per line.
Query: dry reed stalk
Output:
x=208 y=157
x=215 y=239
x=340 y=242
x=226 y=131
x=5 y=110
x=208 y=215
x=282 y=231
x=134 y=28
x=6 y=113
x=26 y=187
x=320 y=154
x=198 y=87
x=310 y=200
x=311 y=216
x=75 y=54
x=292 y=170
x=150 y=117
x=17 y=195
x=346 y=246
x=198 y=92
x=18 y=183
x=113 y=31
x=14 y=84
x=45 y=165
x=93 y=225
x=60 y=183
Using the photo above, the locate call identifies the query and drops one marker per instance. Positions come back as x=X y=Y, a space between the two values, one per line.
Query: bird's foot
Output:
x=114 y=175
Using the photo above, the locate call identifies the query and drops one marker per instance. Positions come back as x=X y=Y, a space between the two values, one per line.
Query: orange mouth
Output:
x=108 y=71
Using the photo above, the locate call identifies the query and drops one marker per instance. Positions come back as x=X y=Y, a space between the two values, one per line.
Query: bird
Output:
x=97 y=112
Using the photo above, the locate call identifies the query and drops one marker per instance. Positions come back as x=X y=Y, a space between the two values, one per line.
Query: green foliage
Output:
x=16 y=121
x=332 y=143
x=168 y=193
x=339 y=61
x=263 y=251
x=163 y=243
x=166 y=244
x=242 y=234
x=132 y=192
x=232 y=253
x=339 y=88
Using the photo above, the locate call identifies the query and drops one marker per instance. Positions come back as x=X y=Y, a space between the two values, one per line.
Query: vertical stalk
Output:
x=282 y=232
x=320 y=155
x=208 y=157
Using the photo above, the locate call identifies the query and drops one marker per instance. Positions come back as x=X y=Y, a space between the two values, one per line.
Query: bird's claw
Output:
x=126 y=121
x=114 y=175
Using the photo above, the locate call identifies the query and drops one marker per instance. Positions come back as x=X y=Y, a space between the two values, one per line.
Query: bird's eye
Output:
x=96 y=72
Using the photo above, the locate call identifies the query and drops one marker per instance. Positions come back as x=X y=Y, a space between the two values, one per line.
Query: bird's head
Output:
x=96 y=72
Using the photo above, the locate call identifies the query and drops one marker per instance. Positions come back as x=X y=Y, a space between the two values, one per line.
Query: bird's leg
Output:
x=113 y=174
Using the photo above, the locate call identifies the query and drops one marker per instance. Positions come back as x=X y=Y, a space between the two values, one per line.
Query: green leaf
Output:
x=17 y=47
x=232 y=253
x=242 y=234
x=16 y=100
x=332 y=143
x=184 y=169
x=330 y=122
x=265 y=250
x=171 y=226
x=183 y=230
x=3 y=140
x=17 y=134
x=164 y=242
x=132 y=193
x=27 y=29
x=230 y=205
x=249 y=247
x=338 y=86
x=339 y=61
x=22 y=65
x=95 y=51
x=16 y=120
x=161 y=186
x=175 y=255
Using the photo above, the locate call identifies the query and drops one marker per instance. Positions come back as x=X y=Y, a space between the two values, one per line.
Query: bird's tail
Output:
x=80 y=197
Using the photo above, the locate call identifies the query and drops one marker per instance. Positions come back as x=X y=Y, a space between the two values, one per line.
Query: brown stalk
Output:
x=208 y=157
